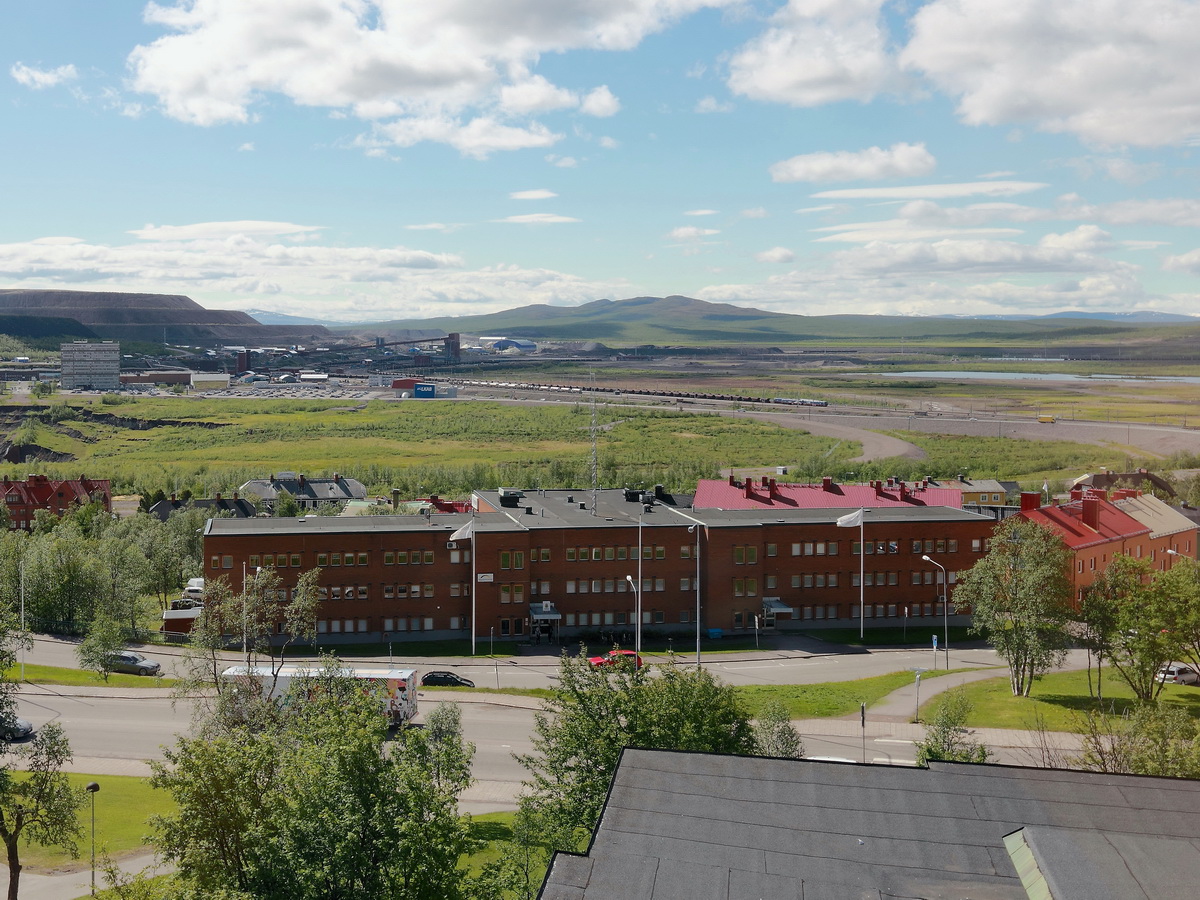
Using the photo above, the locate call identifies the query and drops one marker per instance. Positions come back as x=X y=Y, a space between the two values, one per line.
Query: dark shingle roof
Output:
x=711 y=827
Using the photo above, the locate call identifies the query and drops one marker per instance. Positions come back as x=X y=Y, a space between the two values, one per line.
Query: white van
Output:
x=194 y=589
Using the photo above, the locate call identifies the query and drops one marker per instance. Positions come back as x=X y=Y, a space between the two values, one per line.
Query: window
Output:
x=456 y=556
x=254 y=561
x=322 y=593
x=597 y=585
x=770 y=582
x=402 y=557
x=429 y=590
x=518 y=559
x=428 y=557
x=622 y=553
x=660 y=584
x=833 y=582
x=609 y=585
x=322 y=560
x=335 y=593
x=893 y=547
x=820 y=548
x=348 y=559
x=929 y=546
x=739 y=587
x=808 y=580
x=739 y=556
x=660 y=552
x=916 y=578
x=335 y=559
x=869 y=548
x=570 y=554
x=545 y=554
x=684 y=617
x=685 y=584
x=389 y=591
x=584 y=554
x=952 y=546
x=362 y=592
x=226 y=562
x=647 y=552
x=506 y=593
x=610 y=552
x=268 y=559
x=570 y=587
x=819 y=580
x=795 y=581
x=584 y=585
x=772 y=549
x=597 y=554
x=941 y=546
x=362 y=559
x=685 y=551
x=976 y=545
x=402 y=592
x=751 y=587
x=893 y=577
x=389 y=559
x=795 y=549
x=751 y=556
x=505 y=559
x=659 y=617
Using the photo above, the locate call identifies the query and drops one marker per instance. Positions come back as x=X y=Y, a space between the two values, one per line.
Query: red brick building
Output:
x=24 y=498
x=1096 y=529
x=554 y=560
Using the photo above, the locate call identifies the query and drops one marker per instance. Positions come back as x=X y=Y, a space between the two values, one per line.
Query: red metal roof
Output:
x=769 y=494
x=1067 y=520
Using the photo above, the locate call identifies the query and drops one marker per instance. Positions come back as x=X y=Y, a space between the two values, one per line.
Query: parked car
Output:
x=133 y=664
x=613 y=657
x=1176 y=673
x=445 y=679
x=15 y=730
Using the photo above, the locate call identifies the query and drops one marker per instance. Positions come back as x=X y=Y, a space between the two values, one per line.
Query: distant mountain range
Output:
x=685 y=321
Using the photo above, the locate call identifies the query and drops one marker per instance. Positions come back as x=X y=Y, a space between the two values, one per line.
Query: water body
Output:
x=1048 y=376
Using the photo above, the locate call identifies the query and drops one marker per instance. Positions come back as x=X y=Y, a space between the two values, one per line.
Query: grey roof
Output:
x=239 y=507
x=313 y=490
x=712 y=827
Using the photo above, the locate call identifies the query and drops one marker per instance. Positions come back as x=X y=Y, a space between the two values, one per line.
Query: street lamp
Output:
x=696 y=529
x=637 y=625
x=945 y=606
x=91 y=788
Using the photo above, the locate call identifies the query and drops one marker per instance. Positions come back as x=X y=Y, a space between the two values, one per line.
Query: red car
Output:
x=613 y=657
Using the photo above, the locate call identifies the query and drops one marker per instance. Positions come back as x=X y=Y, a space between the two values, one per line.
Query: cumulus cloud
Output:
x=431 y=70
x=38 y=79
x=934 y=191
x=701 y=212
x=775 y=255
x=345 y=282
x=980 y=257
x=538 y=194
x=1110 y=73
x=1184 y=262
x=816 y=52
x=537 y=219
x=756 y=212
x=247 y=147
x=872 y=164
x=562 y=162
x=600 y=103
x=1084 y=239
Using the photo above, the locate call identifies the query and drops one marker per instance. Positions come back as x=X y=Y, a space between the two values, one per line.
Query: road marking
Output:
x=892 y=741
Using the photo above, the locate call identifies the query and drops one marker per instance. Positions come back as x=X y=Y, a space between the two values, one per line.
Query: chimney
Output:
x=1030 y=500
x=732 y=481
x=301 y=479
x=903 y=491
x=218 y=496
x=336 y=478
x=878 y=488
x=235 y=496
x=1076 y=494
x=771 y=489
x=660 y=492
x=395 y=498
x=173 y=498
x=1091 y=512
x=748 y=489
x=891 y=482
x=827 y=483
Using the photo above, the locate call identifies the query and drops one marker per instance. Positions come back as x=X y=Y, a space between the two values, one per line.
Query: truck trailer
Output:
x=396 y=688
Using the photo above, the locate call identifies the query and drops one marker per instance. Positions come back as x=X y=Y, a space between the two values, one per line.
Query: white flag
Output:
x=465 y=532
x=851 y=520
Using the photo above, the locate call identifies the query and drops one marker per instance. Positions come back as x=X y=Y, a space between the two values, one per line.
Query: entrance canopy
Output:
x=544 y=612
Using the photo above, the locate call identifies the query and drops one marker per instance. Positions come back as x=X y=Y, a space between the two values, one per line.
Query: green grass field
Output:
x=123 y=807
x=1060 y=698
x=831 y=699
x=920 y=636
x=78 y=677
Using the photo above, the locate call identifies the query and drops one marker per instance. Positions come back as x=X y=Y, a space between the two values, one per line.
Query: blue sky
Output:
x=379 y=159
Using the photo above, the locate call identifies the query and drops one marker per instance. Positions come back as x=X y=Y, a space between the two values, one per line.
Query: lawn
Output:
x=123 y=806
x=81 y=678
x=1060 y=698
x=913 y=636
x=829 y=700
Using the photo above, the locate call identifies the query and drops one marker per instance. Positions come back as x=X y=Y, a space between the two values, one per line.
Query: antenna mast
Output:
x=595 y=460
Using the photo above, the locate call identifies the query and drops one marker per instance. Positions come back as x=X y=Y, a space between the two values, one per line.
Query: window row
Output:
x=621 y=617
x=608 y=585
x=879 y=548
x=386 y=625
x=598 y=554
x=880 y=579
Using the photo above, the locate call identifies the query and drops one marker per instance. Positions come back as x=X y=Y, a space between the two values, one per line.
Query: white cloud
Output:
x=535 y=95
x=775 y=255
x=701 y=212
x=38 y=79
x=998 y=174
x=900 y=230
x=600 y=103
x=478 y=138
x=1084 y=239
x=247 y=147
x=430 y=226
x=816 y=52
x=454 y=61
x=537 y=219
x=221 y=230
x=756 y=212
x=815 y=209
x=609 y=143
x=1184 y=262
x=690 y=233
x=980 y=257
x=538 y=194
x=1182 y=212
x=713 y=105
x=562 y=162
x=1116 y=168
x=1110 y=73
x=346 y=282
x=935 y=191
x=872 y=164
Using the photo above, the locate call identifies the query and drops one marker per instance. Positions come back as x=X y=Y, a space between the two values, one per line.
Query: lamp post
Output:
x=637 y=613
x=696 y=529
x=92 y=788
x=637 y=631
x=945 y=606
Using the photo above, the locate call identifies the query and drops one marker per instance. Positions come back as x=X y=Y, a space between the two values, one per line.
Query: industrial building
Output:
x=91 y=366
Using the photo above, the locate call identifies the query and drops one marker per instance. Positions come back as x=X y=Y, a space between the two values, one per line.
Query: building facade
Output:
x=565 y=563
x=92 y=366
x=24 y=498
